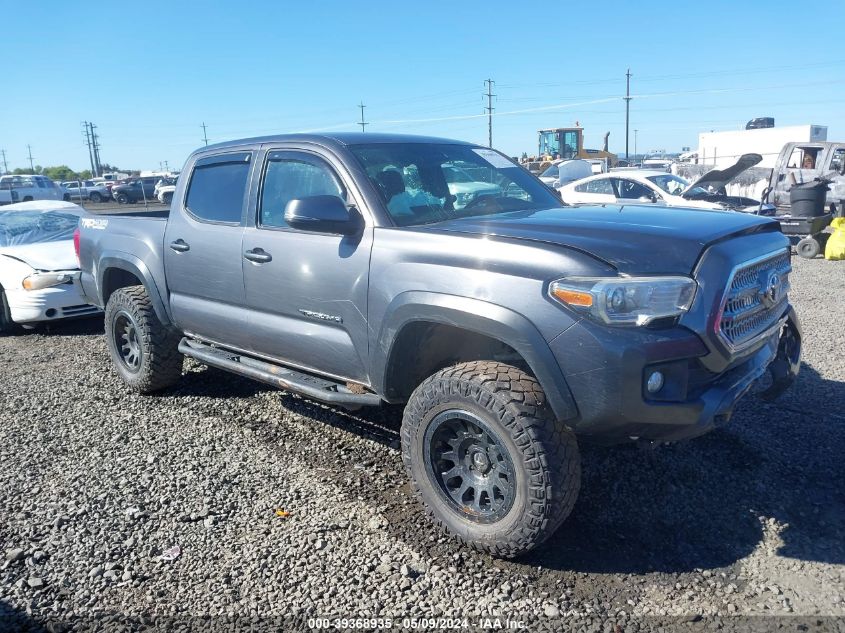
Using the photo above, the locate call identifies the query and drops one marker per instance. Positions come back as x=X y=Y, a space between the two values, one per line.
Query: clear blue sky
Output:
x=149 y=74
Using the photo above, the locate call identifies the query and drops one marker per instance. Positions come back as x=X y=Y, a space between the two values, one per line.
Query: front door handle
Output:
x=258 y=255
x=180 y=246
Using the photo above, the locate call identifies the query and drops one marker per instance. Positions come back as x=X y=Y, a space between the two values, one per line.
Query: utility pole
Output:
x=489 y=83
x=5 y=165
x=90 y=151
x=166 y=167
x=94 y=148
x=363 y=123
x=635 y=143
x=31 y=166
x=627 y=108
x=204 y=137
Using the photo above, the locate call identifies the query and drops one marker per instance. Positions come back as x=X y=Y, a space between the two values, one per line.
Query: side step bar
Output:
x=281 y=377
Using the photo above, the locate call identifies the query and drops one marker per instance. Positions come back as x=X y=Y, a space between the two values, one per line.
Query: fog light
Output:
x=655 y=382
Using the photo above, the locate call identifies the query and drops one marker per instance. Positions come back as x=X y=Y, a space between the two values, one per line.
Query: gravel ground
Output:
x=282 y=507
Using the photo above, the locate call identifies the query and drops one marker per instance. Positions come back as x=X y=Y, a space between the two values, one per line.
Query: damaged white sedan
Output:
x=38 y=264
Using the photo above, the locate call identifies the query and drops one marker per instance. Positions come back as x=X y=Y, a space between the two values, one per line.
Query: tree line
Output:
x=60 y=173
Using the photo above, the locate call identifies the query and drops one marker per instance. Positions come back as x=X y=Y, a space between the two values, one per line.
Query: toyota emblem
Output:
x=769 y=294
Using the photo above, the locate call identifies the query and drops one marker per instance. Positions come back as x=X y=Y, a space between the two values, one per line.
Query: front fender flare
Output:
x=480 y=317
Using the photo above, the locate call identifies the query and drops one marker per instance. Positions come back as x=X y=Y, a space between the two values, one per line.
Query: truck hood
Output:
x=45 y=255
x=634 y=239
x=715 y=179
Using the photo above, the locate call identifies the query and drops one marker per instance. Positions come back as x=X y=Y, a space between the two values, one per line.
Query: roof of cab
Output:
x=334 y=139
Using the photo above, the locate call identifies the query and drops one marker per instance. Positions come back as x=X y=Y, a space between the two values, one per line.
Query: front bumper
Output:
x=49 y=304
x=614 y=405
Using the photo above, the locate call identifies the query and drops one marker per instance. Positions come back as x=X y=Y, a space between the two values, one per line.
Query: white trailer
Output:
x=723 y=149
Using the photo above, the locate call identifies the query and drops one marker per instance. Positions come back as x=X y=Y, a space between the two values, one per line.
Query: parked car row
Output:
x=649 y=186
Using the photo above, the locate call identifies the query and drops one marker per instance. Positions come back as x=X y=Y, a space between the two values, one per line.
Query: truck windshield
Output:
x=33 y=227
x=423 y=183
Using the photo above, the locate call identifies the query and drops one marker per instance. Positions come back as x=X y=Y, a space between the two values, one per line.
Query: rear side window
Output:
x=600 y=185
x=217 y=188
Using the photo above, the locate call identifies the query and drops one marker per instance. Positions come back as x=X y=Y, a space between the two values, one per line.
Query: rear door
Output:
x=834 y=166
x=308 y=300
x=595 y=191
x=202 y=250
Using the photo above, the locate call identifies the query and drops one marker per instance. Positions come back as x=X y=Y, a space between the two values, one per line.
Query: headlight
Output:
x=39 y=281
x=625 y=300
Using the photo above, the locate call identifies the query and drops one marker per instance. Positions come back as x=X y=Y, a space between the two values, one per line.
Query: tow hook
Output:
x=783 y=370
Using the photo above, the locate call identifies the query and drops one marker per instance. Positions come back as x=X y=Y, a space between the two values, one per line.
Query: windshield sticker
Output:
x=494 y=158
x=94 y=223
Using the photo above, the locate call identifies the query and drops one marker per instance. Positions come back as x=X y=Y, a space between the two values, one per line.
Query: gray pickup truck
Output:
x=361 y=269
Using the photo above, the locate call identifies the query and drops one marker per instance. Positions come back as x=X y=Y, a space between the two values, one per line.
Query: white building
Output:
x=722 y=149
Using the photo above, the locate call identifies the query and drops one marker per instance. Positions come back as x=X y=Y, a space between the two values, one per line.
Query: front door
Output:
x=202 y=250
x=306 y=291
x=802 y=165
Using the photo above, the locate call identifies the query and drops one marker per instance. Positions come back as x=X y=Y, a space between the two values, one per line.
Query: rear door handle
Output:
x=180 y=246
x=258 y=255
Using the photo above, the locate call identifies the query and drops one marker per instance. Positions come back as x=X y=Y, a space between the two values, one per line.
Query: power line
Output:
x=363 y=123
x=204 y=136
x=489 y=83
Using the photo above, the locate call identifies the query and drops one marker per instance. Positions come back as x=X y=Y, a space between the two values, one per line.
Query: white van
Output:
x=26 y=187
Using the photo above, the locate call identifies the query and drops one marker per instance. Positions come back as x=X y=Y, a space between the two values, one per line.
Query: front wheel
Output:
x=487 y=459
x=6 y=323
x=143 y=350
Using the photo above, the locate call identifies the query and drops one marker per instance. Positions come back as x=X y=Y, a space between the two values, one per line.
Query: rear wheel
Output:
x=487 y=459
x=95 y=196
x=144 y=351
x=808 y=247
x=167 y=198
x=27 y=199
x=122 y=198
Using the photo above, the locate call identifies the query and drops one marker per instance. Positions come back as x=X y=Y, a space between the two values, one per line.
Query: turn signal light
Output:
x=573 y=297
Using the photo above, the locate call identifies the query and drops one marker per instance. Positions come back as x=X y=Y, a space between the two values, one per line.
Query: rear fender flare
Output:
x=111 y=260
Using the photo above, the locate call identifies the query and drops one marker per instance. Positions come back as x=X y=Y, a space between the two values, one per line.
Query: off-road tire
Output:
x=808 y=247
x=160 y=363
x=543 y=452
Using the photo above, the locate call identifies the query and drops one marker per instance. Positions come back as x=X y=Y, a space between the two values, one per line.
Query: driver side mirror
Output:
x=322 y=214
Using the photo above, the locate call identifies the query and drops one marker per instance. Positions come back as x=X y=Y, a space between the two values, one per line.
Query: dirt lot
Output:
x=96 y=483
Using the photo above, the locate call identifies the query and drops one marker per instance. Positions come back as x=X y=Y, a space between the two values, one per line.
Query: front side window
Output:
x=217 y=188
x=287 y=178
x=600 y=185
x=631 y=190
x=423 y=183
